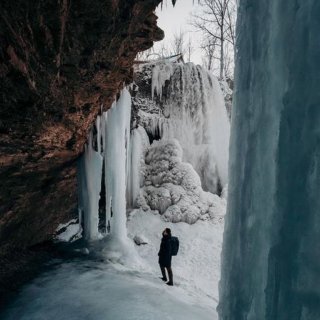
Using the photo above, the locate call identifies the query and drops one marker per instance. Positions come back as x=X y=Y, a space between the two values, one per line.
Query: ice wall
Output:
x=271 y=253
x=193 y=112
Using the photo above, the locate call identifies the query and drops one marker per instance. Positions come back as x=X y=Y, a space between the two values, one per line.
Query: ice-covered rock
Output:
x=140 y=240
x=69 y=231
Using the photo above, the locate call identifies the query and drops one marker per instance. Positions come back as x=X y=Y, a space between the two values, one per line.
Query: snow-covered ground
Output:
x=196 y=268
x=98 y=289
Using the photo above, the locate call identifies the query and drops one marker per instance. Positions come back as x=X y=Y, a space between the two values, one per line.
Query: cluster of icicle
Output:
x=194 y=113
x=174 y=2
x=112 y=141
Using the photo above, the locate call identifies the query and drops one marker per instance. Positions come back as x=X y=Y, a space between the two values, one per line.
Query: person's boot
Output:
x=164 y=276
x=170 y=282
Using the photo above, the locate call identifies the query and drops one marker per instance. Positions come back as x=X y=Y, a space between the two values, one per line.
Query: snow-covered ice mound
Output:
x=173 y=187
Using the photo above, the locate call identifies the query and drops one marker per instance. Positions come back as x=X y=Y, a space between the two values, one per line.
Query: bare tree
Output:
x=154 y=53
x=209 y=49
x=178 y=43
x=145 y=55
x=177 y=46
x=163 y=51
x=189 y=49
x=216 y=21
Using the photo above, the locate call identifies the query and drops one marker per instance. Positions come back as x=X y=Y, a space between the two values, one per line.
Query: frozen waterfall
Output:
x=187 y=104
x=113 y=129
x=271 y=257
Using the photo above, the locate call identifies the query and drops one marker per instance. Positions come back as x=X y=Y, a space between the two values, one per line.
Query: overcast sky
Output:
x=173 y=19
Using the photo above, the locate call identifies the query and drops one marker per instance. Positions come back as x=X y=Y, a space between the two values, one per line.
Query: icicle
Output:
x=160 y=74
x=90 y=172
x=98 y=135
x=108 y=166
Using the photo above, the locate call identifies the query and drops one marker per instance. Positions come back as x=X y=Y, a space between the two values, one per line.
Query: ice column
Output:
x=138 y=143
x=90 y=175
x=117 y=134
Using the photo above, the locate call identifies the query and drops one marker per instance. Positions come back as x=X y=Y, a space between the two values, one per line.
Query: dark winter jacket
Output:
x=165 y=252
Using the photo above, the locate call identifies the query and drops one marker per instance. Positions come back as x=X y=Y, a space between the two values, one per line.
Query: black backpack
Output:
x=174 y=246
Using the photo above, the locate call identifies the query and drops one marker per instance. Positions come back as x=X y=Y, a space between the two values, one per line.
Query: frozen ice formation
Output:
x=113 y=129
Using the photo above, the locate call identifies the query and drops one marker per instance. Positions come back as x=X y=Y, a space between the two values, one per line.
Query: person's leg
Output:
x=170 y=283
x=163 y=271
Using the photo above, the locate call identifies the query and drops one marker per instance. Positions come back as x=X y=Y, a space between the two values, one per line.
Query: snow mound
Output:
x=173 y=188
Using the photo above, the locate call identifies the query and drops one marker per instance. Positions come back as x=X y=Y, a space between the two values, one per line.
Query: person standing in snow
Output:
x=165 y=256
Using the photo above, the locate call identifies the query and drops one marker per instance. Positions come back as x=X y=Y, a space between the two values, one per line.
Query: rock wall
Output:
x=61 y=62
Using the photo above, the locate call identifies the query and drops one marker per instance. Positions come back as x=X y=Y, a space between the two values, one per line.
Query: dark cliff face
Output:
x=60 y=61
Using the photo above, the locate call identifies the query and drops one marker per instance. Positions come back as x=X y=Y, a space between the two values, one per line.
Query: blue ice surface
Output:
x=271 y=252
